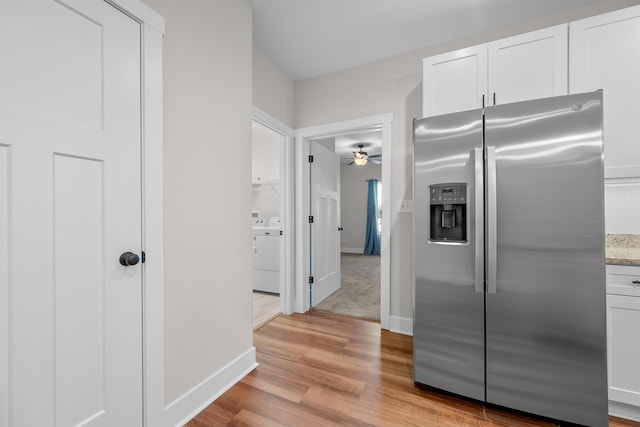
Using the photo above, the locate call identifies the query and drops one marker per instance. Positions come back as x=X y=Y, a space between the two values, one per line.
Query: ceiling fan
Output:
x=360 y=158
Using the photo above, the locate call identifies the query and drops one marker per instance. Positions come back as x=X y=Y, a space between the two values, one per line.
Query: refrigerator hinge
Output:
x=311 y=279
x=310 y=219
x=310 y=159
x=143 y=258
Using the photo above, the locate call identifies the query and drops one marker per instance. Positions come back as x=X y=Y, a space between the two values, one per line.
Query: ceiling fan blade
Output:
x=375 y=161
x=350 y=163
x=375 y=156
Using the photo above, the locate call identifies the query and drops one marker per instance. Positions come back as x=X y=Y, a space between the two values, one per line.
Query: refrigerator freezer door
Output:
x=448 y=334
x=546 y=342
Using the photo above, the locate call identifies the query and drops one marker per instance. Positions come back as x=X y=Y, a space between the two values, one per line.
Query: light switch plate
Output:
x=406 y=205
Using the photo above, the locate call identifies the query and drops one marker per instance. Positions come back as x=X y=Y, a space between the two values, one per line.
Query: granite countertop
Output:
x=623 y=249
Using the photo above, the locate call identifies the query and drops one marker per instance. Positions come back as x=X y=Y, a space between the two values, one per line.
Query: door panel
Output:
x=529 y=66
x=623 y=318
x=454 y=81
x=74 y=34
x=78 y=211
x=605 y=54
x=70 y=153
x=4 y=285
x=546 y=321
x=448 y=332
x=325 y=237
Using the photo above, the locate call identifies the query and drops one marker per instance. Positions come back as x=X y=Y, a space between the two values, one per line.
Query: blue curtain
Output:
x=372 y=240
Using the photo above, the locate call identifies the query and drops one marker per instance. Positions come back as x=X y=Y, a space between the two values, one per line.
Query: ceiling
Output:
x=308 y=38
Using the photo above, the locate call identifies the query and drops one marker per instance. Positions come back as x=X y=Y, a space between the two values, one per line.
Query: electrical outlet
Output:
x=406 y=205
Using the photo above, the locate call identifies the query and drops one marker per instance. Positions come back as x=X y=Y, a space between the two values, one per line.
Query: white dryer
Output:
x=266 y=254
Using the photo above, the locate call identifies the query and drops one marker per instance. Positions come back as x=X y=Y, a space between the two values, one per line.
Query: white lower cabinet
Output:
x=623 y=351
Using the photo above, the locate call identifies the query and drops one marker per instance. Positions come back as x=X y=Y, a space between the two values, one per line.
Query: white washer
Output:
x=266 y=255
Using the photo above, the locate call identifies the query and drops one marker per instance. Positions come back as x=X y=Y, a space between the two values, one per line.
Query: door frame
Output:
x=152 y=30
x=303 y=136
x=286 y=206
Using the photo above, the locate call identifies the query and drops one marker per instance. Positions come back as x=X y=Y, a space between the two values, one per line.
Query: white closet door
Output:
x=528 y=66
x=70 y=204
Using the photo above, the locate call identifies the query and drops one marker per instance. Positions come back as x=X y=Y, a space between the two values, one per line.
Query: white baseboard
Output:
x=622 y=410
x=352 y=250
x=182 y=410
x=401 y=325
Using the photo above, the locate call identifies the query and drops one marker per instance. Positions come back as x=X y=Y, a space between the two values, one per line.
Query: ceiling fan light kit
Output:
x=360 y=161
x=360 y=157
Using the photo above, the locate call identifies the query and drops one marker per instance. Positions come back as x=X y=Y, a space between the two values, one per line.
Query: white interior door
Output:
x=325 y=209
x=70 y=204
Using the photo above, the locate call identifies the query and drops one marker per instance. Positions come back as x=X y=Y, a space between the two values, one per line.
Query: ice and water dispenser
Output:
x=448 y=213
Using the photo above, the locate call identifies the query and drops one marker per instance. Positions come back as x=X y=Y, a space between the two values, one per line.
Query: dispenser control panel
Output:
x=451 y=194
x=448 y=213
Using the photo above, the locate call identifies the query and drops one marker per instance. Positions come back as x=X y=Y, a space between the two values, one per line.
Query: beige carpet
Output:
x=359 y=293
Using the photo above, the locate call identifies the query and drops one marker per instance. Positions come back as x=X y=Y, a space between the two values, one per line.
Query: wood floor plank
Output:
x=320 y=369
x=277 y=383
x=249 y=418
x=265 y=308
x=316 y=376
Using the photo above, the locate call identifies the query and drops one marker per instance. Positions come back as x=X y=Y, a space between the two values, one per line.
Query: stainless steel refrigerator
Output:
x=509 y=292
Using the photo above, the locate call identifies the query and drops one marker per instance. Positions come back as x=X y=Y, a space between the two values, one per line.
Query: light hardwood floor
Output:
x=321 y=369
x=265 y=308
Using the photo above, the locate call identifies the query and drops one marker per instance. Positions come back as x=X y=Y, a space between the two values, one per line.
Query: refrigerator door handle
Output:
x=492 y=221
x=478 y=160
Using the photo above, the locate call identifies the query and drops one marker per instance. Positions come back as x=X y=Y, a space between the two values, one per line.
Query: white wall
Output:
x=207 y=111
x=272 y=89
x=622 y=204
x=265 y=161
x=354 y=191
x=393 y=85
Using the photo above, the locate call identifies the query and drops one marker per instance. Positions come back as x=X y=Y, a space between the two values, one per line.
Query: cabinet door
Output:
x=605 y=54
x=623 y=349
x=529 y=66
x=454 y=81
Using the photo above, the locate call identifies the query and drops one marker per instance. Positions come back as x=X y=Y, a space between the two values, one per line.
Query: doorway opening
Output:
x=271 y=217
x=266 y=229
x=307 y=267
x=358 y=183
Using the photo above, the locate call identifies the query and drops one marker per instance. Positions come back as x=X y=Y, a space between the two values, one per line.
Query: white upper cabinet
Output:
x=527 y=66
x=454 y=81
x=605 y=54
